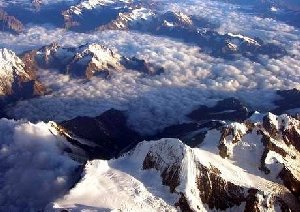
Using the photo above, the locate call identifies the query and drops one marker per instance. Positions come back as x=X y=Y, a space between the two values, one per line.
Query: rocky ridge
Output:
x=104 y=136
x=10 y=22
x=89 y=60
x=17 y=77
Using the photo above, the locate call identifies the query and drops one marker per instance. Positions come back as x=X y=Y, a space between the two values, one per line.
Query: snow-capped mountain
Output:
x=73 y=15
x=242 y=166
x=89 y=60
x=124 y=20
x=191 y=29
x=17 y=77
x=88 y=5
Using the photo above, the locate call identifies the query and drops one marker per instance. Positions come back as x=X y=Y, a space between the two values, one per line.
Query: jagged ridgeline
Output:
x=245 y=166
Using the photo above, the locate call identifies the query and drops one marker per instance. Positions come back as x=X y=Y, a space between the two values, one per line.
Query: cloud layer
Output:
x=33 y=170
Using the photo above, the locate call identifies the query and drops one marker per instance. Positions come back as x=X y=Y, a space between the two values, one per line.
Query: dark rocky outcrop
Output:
x=107 y=134
x=216 y=192
x=288 y=99
x=290 y=181
x=169 y=174
x=228 y=109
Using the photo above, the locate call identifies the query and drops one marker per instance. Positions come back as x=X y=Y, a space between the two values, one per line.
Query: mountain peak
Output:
x=196 y=180
x=17 y=76
x=10 y=61
x=101 y=56
x=11 y=66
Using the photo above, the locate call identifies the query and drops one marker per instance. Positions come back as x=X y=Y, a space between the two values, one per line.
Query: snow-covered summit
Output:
x=177 y=18
x=169 y=175
x=88 y=5
x=10 y=62
x=89 y=60
x=84 y=60
x=124 y=20
x=100 y=56
x=11 y=66
x=85 y=5
x=236 y=37
x=17 y=77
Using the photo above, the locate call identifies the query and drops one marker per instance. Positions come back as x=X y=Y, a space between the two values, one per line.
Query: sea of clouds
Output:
x=191 y=77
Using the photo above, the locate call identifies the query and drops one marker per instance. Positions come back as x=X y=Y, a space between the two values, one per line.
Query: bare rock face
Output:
x=89 y=60
x=10 y=22
x=216 y=192
x=200 y=184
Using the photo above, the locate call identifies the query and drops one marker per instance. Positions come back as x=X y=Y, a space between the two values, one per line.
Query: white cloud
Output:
x=33 y=170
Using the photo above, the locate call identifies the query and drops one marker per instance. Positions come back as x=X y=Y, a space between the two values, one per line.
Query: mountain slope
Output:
x=88 y=60
x=255 y=173
x=10 y=22
x=17 y=76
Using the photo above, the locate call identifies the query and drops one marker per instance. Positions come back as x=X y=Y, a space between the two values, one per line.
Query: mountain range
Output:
x=153 y=105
